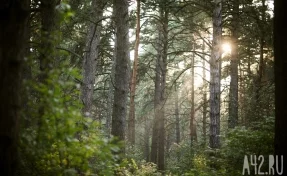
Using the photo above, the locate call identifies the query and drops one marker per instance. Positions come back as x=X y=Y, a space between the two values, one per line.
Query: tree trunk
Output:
x=146 y=139
x=49 y=26
x=122 y=69
x=110 y=100
x=161 y=147
x=154 y=143
x=204 y=107
x=280 y=46
x=215 y=69
x=192 y=112
x=233 y=93
x=91 y=58
x=13 y=26
x=49 y=23
x=177 y=120
x=131 y=124
x=261 y=52
x=158 y=138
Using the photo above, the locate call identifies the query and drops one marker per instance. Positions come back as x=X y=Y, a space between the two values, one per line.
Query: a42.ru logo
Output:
x=257 y=163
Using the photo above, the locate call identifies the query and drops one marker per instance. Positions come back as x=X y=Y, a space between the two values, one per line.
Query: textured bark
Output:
x=177 y=120
x=161 y=147
x=110 y=100
x=158 y=136
x=215 y=67
x=261 y=66
x=91 y=58
x=146 y=140
x=204 y=107
x=13 y=26
x=122 y=69
x=131 y=123
x=233 y=93
x=192 y=126
x=154 y=143
x=280 y=47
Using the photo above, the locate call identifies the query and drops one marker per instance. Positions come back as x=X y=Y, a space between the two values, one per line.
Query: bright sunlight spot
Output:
x=226 y=49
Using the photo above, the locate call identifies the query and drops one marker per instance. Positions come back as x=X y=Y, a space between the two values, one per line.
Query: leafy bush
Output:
x=129 y=167
x=256 y=140
x=55 y=138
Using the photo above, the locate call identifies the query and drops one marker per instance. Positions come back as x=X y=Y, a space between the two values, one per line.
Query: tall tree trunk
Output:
x=91 y=58
x=49 y=26
x=241 y=97
x=280 y=46
x=233 y=93
x=161 y=147
x=110 y=98
x=204 y=107
x=158 y=138
x=146 y=139
x=192 y=112
x=13 y=26
x=122 y=69
x=155 y=132
x=261 y=51
x=177 y=120
x=215 y=69
x=131 y=123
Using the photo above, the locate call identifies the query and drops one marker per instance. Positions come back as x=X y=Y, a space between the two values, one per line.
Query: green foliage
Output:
x=228 y=160
x=55 y=139
x=60 y=141
x=198 y=160
x=129 y=167
x=256 y=140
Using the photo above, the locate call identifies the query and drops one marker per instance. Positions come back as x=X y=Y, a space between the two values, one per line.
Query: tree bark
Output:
x=49 y=26
x=13 y=25
x=91 y=58
x=122 y=69
x=215 y=70
x=131 y=124
x=233 y=93
x=110 y=100
x=177 y=120
x=161 y=147
x=146 y=139
x=204 y=107
x=158 y=137
x=261 y=66
x=280 y=47
x=154 y=143
x=192 y=112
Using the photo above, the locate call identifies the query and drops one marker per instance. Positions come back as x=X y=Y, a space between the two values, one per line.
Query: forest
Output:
x=143 y=87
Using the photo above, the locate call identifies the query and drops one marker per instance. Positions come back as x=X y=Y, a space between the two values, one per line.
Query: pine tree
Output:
x=215 y=71
x=122 y=69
